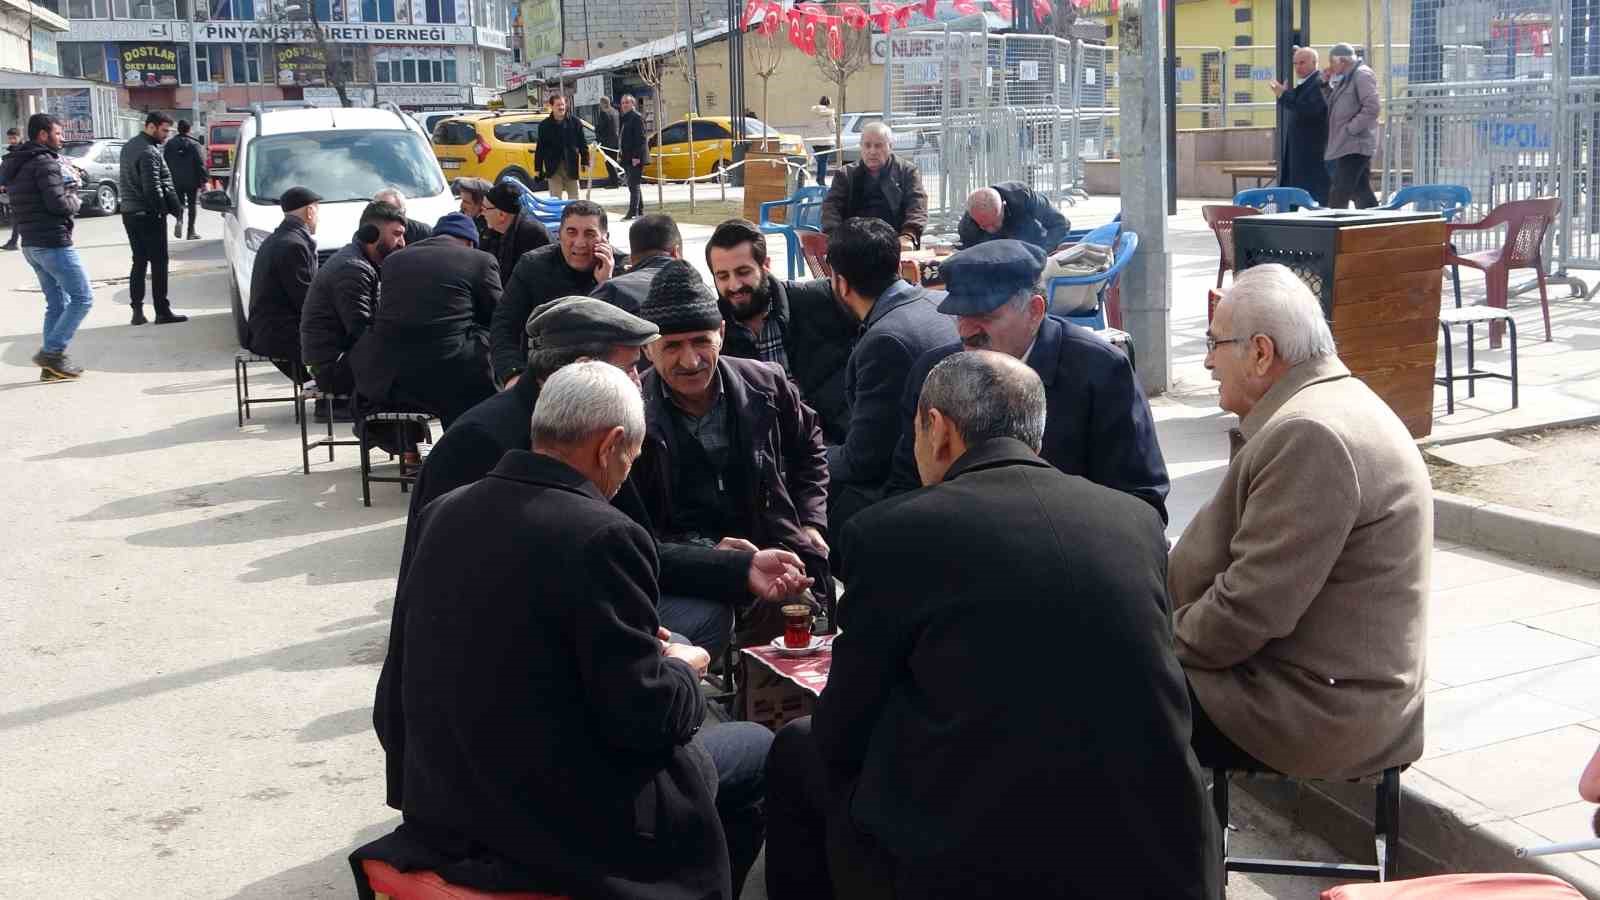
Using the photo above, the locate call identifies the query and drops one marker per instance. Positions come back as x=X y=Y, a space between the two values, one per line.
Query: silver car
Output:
x=100 y=160
x=851 y=126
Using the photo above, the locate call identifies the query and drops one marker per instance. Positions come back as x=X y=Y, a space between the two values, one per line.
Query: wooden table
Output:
x=1263 y=173
x=922 y=266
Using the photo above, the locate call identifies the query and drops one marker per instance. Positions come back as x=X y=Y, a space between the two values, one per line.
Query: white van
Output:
x=345 y=155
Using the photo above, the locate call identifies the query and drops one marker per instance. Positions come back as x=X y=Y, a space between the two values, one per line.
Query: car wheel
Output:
x=718 y=172
x=106 y=200
x=241 y=324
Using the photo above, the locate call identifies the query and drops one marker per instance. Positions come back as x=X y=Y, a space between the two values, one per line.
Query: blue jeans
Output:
x=739 y=750
x=704 y=623
x=67 y=297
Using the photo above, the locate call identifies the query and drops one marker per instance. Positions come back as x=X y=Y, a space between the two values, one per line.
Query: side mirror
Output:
x=216 y=201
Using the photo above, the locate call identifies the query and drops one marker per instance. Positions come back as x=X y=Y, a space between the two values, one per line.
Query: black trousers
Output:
x=1214 y=749
x=1352 y=180
x=147 y=235
x=186 y=199
x=635 y=193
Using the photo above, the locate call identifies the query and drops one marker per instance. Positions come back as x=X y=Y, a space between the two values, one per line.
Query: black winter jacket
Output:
x=284 y=267
x=186 y=160
x=562 y=149
x=145 y=185
x=41 y=205
x=541 y=275
x=902 y=188
x=338 y=307
x=1029 y=217
x=818 y=336
x=524 y=234
x=633 y=140
x=629 y=290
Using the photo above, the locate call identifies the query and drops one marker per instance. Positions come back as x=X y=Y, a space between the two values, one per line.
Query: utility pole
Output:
x=1147 y=282
x=194 y=73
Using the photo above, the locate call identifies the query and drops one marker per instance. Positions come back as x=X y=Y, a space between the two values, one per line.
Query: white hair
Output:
x=584 y=398
x=985 y=199
x=881 y=130
x=1316 y=58
x=1271 y=300
x=393 y=195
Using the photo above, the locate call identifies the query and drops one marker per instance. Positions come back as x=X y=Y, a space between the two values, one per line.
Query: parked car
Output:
x=431 y=119
x=222 y=135
x=500 y=145
x=713 y=146
x=100 y=161
x=851 y=125
x=345 y=155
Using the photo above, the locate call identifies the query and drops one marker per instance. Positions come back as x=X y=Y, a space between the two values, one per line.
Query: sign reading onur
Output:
x=149 y=65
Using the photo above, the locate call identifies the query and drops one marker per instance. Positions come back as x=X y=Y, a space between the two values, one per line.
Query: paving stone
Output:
x=1546 y=767
x=1471 y=565
x=1580 y=623
x=1497 y=650
x=1479 y=453
x=1572 y=821
x=1575 y=684
x=1477 y=715
x=1516 y=598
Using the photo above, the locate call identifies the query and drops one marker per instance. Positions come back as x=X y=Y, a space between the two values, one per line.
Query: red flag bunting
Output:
x=902 y=15
x=809 y=43
x=835 y=41
x=813 y=12
x=1003 y=7
x=752 y=9
x=770 y=23
x=1041 y=10
x=968 y=7
x=929 y=8
x=854 y=15
x=885 y=16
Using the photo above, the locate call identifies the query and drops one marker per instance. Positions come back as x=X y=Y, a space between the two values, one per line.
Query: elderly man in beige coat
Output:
x=1300 y=589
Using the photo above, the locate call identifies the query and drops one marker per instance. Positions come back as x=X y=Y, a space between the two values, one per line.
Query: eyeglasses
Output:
x=1213 y=343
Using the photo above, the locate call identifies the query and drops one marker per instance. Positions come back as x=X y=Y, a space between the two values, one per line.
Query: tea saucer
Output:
x=777 y=646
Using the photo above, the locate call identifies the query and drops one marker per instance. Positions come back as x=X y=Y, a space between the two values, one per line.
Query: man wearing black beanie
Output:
x=731 y=457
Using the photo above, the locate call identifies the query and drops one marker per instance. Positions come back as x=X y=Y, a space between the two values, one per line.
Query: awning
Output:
x=13 y=80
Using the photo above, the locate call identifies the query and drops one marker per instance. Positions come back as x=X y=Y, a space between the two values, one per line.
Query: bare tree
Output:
x=766 y=54
x=652 y=71
x=300 y=12
x=857 y=52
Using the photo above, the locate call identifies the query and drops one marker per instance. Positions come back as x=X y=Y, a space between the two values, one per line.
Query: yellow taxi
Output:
x=493 y=146
x=713 y=146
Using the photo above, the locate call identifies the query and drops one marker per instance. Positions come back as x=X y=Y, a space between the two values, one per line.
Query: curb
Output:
x=1506 y=529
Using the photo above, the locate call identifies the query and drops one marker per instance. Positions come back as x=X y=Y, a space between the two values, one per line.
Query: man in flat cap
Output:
x=284 y=267
x=428 y=347
x=1099 y=424
x=470 y=192
x=732 y=456
x=1353 y=108
x=515 y=232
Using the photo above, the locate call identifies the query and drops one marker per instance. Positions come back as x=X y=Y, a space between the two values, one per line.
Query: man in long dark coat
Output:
x=1305 y=128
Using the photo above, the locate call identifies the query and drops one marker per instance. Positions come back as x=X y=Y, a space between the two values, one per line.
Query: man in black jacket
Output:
x=899 y=323
x=795 y=324
x=1305 y=127
x=42 y=208
x=947 y=735
x=554 y=740
x=416 y=232
x=731 y=453
x=634 y=152
x=147 y=196
x=339 y=304
x=186 y=159
x=608 y=132
x=580 y=259
x=515 y=233
x=1099 y=423
x=428 y=347
x=880 y=185
x=284 y=266
x=1010 y=210
x=653 y=241
x=562 y=153
x=13 y=138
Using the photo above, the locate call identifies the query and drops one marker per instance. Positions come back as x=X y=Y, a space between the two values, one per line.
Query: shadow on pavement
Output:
x=205 y=343
x=336 y=725
x=353 y=557
x=327 y=877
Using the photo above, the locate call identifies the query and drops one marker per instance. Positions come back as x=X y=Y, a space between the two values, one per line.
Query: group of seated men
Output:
x=666 y=463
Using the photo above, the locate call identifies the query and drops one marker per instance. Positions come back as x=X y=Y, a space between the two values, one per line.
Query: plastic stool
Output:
x=390 y=883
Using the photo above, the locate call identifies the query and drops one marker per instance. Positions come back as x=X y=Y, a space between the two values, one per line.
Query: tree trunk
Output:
x=660 y=187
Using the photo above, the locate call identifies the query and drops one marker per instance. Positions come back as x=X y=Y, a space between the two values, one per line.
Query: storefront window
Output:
x=88 y=9
x=245 y=63
x=83 y=60
x=232 y=10
x=209 y=60
x=377 y=10
x=416 y=65
x=146 y=9
x=441 y=12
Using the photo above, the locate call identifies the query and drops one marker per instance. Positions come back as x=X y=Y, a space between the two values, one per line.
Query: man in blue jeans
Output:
x=43 y=204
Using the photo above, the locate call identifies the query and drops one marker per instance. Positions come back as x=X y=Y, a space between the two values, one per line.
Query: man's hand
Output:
x=512 y=381
x=733 y=543
x=906 y=243
x=665 y=637
x=816 y=539
x=698 y=659
x=604 y=262
x=1278 y=87
x=776 y=575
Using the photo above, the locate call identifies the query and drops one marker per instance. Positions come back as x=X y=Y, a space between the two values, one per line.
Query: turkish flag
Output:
x=835 y=41
x=813 y=12
x=967 y=7
x=902 y=16
x=854 y=15
x=809 y=44
x=770 y=23
x=885 y=16
x=929 y=8
x=752 y=9
x=1003 y=7
x=1041 y=10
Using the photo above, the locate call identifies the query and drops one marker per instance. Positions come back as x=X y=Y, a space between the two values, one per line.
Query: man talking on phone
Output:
x=579 y=260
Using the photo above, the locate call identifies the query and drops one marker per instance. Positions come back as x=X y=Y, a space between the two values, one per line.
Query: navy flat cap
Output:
x=981 y=278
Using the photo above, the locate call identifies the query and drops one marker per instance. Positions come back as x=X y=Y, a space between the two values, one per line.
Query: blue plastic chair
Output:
x=1103 y=234
x=1284 y=199
x=805 y=213
x=1127 y=245
x=1448 y=200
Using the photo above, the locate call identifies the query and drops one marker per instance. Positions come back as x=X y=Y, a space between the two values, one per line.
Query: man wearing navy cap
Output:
x=284 y=267
x=1098 y=423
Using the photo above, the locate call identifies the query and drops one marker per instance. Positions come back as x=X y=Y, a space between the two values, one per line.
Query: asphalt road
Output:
x=192 y=628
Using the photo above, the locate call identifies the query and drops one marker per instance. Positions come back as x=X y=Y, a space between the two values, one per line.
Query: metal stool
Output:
x=312 y=395
x=241 y=386
x=1385 y=833
x=1471 y=316
x=406 y=478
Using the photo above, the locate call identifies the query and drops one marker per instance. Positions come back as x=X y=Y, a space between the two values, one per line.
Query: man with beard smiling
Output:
x=579 y=260
x=794 y=324
x=1098 y=423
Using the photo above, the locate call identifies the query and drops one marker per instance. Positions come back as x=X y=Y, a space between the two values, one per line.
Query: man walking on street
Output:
x=1352 y=129
x=608 y=131
x=1305 y=128
x=13 y=138
x=42 y=209
x=187 y=161
x=633 y=154
x=562 y=152
x=148 y=197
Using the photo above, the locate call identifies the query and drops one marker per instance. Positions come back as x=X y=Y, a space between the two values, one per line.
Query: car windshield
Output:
x=76 y=149
x=342 y=165
x=757 y=127
x=224 y=134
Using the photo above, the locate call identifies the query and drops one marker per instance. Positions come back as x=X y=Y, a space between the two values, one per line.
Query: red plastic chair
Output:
x=1526 y=222
x=1514 y=886
x=390 y=883
x=814 y=246
x=1220 y=217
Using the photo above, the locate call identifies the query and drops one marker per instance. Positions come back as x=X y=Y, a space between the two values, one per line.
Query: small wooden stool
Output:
x=1471 y=316
x=390 y=883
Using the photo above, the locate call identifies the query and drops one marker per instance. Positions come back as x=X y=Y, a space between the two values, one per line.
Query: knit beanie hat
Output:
x=679 y=301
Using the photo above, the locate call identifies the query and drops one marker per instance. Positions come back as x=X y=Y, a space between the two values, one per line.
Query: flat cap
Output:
x=570 y=321
x=1344 y=50
x=297 y=198
x=680 y=301
x=981 y=278
x=505 y=197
